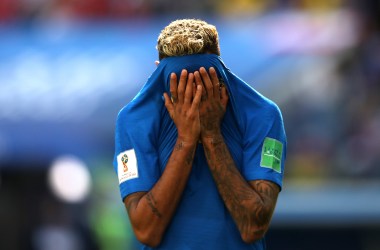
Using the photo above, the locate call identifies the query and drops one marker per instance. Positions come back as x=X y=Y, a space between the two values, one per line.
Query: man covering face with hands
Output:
x=205 y=166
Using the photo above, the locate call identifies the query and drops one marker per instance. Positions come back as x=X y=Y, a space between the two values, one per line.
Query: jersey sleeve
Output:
x=265 y=147
x=135 y=159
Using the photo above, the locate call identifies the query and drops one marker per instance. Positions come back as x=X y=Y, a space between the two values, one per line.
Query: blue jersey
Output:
x=145 y=136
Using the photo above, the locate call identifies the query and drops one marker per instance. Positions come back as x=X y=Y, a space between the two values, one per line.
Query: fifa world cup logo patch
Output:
x=127 y=165
x=124 y=160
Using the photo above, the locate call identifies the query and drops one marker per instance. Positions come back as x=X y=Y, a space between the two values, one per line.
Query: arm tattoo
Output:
x=152 y=203
x=132 y=200
x=266 y=190
x=189 y=157
x=247 y=205
x=178 y=146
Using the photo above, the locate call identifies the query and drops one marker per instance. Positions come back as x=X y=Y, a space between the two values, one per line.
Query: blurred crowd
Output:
x=339 y=137
x=27 y=10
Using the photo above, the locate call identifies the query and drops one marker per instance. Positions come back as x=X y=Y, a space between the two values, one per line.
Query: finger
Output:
x=215 y=82
x=207 y=82
x=173 y=87
x=169 y=105
x=182 y=85
x=194 y=88
x=189 y=89
x=224 y=96
x=197 y=99
x=199 y=82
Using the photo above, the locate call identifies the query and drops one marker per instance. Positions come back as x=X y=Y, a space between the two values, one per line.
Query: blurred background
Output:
x=68 y=66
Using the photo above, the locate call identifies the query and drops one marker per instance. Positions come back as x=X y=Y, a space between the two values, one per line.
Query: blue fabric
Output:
x=201 y=220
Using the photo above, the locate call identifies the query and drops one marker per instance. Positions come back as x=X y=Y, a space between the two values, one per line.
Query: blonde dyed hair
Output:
x=187 y=37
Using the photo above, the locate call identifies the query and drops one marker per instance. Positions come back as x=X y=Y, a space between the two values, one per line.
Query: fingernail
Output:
x=172 y=75
x=163 y=98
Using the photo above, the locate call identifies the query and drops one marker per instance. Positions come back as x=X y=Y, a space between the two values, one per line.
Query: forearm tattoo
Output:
x=245 y=204
x=190 y=156
x=178 y=146
x=152 y=203
x=266 y=190
x=149 y=196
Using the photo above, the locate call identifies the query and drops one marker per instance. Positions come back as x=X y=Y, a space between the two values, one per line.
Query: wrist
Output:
x=212 y=138
x=186 y=142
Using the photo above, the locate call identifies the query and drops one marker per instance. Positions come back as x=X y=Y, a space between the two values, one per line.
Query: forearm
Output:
x=250 y=209
x=151 y=212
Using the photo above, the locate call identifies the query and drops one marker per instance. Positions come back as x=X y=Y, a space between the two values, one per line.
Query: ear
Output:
x=156 y=62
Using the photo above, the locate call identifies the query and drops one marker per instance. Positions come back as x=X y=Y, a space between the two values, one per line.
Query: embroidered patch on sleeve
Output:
x=127 y=166
x=271 y=154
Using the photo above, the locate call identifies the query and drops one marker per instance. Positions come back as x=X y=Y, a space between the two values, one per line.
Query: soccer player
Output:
x=203 y=168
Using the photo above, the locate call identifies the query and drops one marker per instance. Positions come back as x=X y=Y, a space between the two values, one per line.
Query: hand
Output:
x=213 y=103
x=183 y=106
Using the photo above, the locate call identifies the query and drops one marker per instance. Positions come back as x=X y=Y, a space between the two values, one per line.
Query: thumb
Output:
x=224 y=97
x=169 y=105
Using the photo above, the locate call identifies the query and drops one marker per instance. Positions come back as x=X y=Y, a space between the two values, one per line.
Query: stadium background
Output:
x=68 y=66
